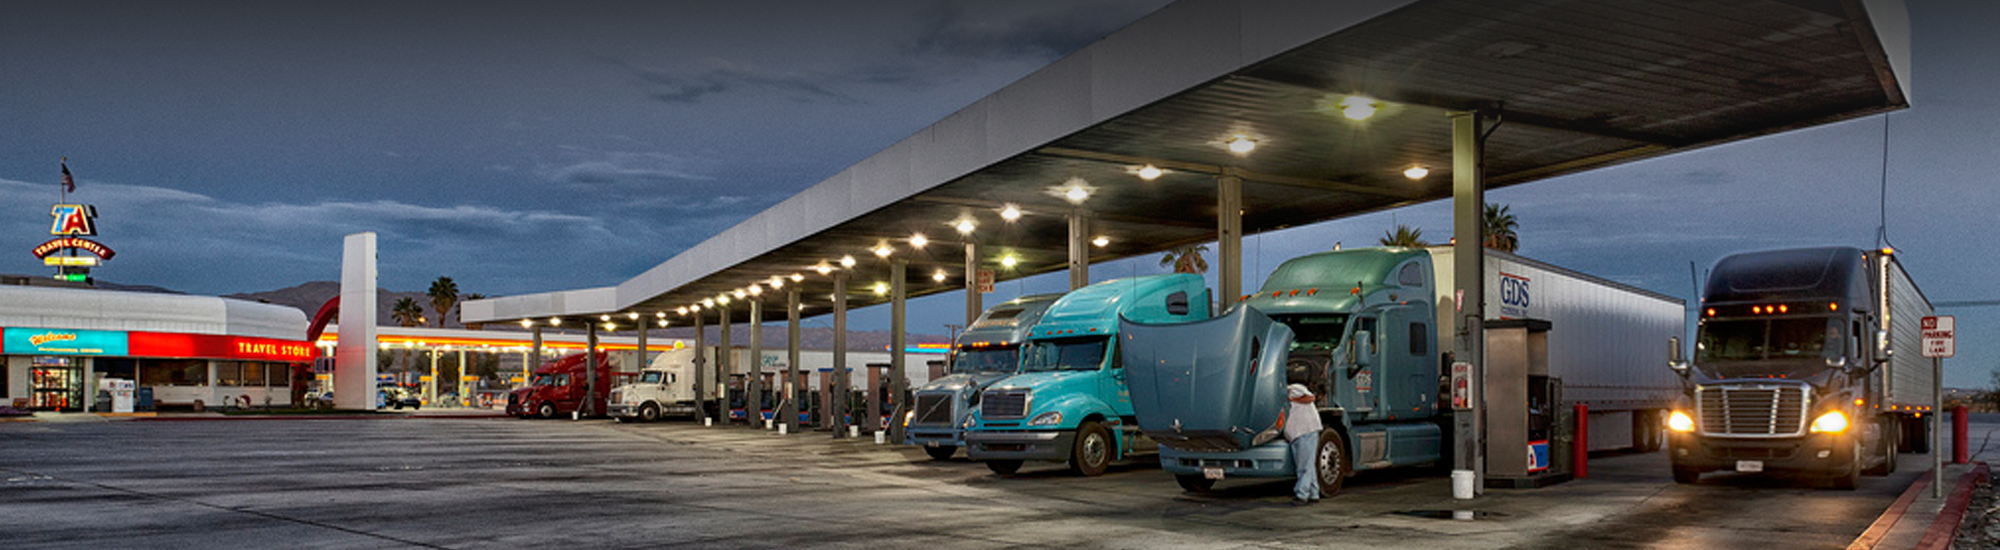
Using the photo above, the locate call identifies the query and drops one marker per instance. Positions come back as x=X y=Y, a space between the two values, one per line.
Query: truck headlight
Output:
x=1680 y=422
x=1832 y=422
x=1050 y=418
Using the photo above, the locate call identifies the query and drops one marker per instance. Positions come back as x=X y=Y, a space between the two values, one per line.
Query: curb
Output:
x=1945 y=527
x=1888 y=519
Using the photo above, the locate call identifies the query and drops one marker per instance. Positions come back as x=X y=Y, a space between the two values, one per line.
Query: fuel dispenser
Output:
x=1527 y=428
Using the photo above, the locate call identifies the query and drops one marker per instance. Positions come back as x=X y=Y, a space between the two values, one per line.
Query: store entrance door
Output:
x=55 y=384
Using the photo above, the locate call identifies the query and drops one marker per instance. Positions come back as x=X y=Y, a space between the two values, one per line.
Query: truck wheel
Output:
x=1004 y=467
x=1888 y=465
x=1686 y=476
x=546 y=411
x=649 y=412
x=941 y=452
x=1194 y=483
x=1850 y=479
x=1331 y=462
x=1092 y=453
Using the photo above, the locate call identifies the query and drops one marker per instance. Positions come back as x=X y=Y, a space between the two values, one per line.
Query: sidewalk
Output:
x=1918 y=521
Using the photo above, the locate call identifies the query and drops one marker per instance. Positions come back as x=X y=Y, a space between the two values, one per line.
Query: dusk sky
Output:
x=529 y=147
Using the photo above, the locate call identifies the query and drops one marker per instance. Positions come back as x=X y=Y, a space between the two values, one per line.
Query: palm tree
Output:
x=1499 y=228
x=1186 y=259
x=407 y=312
x=1405 y=236
x=444 y=296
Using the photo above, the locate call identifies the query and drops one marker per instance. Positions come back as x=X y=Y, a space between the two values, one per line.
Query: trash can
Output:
x=143 y=401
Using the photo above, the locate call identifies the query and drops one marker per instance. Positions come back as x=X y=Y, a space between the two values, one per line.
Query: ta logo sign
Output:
x=73 y=220
x=1514 y=296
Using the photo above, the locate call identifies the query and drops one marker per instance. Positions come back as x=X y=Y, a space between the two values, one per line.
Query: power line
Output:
x=1966 y=303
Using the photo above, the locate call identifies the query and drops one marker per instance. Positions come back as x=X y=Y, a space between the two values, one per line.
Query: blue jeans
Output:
x=1305 y=453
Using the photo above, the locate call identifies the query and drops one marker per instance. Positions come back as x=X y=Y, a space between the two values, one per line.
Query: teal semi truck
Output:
x=1363 y=328
x=1070 y=402
x=988 y=351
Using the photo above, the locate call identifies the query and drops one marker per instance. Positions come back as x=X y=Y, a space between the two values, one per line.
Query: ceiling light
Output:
x=1416 y=172
x=1077 y=194
x=1010 y=213
x=1240 y=144
x=756 y=289
x=777 y=282
x=797 y=277
x=610 y=327
x=707 y=302
x=683 y=310
x=1150 y=172
x=697 y=307
x=661 y=315
x=883 y=251
x=881 y=288
x=918 y=240
x=1357 y=107
x=633 y=315
x=1008 y=261
x=1100 y=241
x=722 y=298
x=846 y=261
x=555 y=321
x=965 y=227
x=663 y=323
x=604 y=317
x=823 y=269
x=525 y=323
x=939 y=276
x=738 y=293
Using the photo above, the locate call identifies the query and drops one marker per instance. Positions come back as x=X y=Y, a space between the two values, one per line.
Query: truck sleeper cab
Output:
x=664 y=388
x=1070 y=402
x=558 y=388
x=985 y=353
x=1784 y=378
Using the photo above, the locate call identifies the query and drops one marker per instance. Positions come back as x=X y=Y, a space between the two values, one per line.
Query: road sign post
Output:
x=1938 y=343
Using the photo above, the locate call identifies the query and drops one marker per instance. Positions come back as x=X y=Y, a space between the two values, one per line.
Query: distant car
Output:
x=397 y=398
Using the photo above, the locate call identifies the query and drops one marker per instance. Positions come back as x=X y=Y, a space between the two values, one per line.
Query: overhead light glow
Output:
x=756 y=289
x=965 y=227
x=722 y=298
x=1077 y=194
x=1416 y=172
x=1100 y=241
x=846 y=261
x=1009 y=261
x=1010 y=213
x=1357 y=107
x=697 y=307
x=633 y=315
x=738 y=293
x=939 y=276
x=1150 y=172
x=918 y=240
x=683 y=310
x=707 y=302
x=883 y=250
x=610 y=327
x=797 y=277
x=881 y=288
x=525 y=323
x=823 y=269
x=663 y=323
x=555 y=321
x=1240 y=144
x=777 y=282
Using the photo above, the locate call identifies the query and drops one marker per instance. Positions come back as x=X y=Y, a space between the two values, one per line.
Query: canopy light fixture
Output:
x=1241 y=144
x=918 y=240
x=526 y=323
x=1357 y=107
x=605 y=317
x=939 y=276
x=847 y=261
x=823 y=269
x=882 y=250
x=1010 y=213
x=1100 y=241
x=881 y=288
x=797 y=277
x=633 y=315
x=1009 y=261
x=965 y=226
x=756 y=289
x=1416 y=172
x=1150 y=172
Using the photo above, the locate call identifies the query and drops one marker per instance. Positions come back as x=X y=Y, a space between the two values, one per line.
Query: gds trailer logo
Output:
x=1514 y=296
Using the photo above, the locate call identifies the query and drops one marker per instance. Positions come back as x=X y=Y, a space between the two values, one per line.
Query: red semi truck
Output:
x=558 y=388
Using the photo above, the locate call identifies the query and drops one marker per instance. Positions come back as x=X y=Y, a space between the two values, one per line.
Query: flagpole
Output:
x=60 y=187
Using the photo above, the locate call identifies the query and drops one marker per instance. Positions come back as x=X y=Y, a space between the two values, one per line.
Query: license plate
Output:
x=1211 y=472
x=1750 y=466
x=931 y=444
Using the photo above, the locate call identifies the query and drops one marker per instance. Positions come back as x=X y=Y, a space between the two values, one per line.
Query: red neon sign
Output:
x=86 y=245
x=211 y=346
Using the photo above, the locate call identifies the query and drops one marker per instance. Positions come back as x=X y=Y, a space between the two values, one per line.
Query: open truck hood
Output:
x=1216 y=385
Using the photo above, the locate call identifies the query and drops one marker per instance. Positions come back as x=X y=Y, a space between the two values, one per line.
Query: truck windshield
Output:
x=544 y=380
x=1767 y=339
x=1316 y=332
x=1066 y=354
x=651 y=377
x=993 y=359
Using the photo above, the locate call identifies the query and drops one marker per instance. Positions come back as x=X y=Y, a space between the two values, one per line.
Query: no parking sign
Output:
x=1938 y=331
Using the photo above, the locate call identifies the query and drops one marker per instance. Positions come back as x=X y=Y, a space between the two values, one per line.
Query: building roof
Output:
x=67 y=308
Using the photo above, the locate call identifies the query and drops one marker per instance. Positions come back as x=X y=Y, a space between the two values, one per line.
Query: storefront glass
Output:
x=55 y=384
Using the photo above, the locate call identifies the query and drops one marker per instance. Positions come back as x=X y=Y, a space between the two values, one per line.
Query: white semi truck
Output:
x=665 y=387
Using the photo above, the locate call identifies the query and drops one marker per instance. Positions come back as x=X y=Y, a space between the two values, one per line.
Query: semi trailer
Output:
x=1363 y=328
x=1806 y=361
x=986 y=352
x=1070 y=402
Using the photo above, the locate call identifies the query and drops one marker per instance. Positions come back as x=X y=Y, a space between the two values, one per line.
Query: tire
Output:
x=1686 y=476
x=1091 y=454
x=1331 y=463
x=649 y=412
x=1888 y=465
x=1850 y=479
x=1194 y=483
x=941 y=452
x=546 y=411
x=1004 y=467
x=417 y=407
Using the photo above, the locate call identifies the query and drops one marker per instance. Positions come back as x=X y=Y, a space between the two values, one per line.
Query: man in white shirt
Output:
x=1302 y=428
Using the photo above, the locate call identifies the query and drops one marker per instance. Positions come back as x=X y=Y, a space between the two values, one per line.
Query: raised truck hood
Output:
x=1210 y=386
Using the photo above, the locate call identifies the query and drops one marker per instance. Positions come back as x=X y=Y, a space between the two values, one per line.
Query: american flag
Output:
x=69 y=183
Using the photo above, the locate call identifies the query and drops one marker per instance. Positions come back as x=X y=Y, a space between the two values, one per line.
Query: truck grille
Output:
x=999 y=404
x=1752 y=411
x=933 y=408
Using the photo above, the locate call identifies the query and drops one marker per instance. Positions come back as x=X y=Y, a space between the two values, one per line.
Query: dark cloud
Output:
x=720 y=76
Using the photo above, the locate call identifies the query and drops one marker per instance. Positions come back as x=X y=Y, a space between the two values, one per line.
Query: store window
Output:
x=228 y=373
x=278 y=376
x=174 y=372
x=253 y=374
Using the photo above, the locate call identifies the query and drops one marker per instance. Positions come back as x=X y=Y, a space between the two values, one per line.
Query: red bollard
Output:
x=1580 y=453
x=1958 y=428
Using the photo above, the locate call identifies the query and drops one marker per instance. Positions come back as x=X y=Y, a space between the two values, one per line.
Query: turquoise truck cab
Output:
x=1070 y=402
x=988 y=351
x=1356 y=329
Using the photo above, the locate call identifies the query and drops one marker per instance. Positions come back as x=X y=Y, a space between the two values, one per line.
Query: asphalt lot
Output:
x=495 y=483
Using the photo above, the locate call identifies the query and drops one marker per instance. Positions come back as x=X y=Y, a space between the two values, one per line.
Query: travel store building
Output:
x=190 y=351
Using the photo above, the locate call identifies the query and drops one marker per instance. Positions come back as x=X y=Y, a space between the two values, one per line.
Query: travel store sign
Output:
x=42 y=341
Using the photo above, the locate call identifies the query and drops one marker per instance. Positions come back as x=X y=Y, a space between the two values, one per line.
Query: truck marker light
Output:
x=1295 y=292
x=1782 y=308
x=1312 y=291
x=1245 y=297
x=1711 y=312
x=1356 y=291
x=1835 y=306
x=1756 y=309
x=1858 y=401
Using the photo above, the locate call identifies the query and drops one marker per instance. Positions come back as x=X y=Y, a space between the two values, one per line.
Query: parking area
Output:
x=495 y=483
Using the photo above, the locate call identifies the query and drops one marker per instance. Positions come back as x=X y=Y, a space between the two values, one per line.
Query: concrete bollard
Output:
x=1580 y=451
x=1461 y=484
x=1959 y=454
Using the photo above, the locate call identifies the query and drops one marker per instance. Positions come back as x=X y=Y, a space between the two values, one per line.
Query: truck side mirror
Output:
x=1357 y=357
x=1882 y=350
x=1675 y=360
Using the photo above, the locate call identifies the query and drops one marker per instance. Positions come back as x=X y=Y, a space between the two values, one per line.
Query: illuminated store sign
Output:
x=73 y=220
x=33 y=341
x=85 y=245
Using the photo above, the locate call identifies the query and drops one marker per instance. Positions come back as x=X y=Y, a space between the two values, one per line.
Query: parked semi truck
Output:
x=559 y=388
x=1070 y=402
x=666 y=387
x=1805 y=361
x=1362 y=328
x=986 y=352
